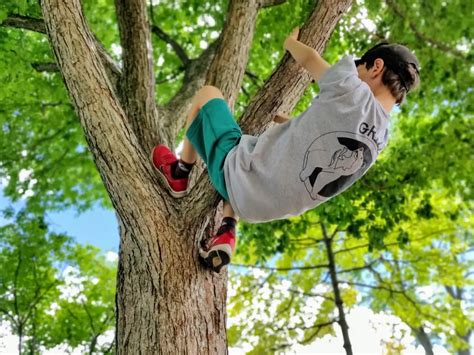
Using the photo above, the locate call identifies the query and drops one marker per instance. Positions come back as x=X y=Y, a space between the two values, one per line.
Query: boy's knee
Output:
x=209 y=91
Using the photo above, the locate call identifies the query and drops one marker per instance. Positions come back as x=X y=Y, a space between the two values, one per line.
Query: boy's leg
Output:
x=175 y=172
x=202 y=96
x=228 y=211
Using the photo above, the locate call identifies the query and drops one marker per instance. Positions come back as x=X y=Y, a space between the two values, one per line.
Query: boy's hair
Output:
x=401 y=72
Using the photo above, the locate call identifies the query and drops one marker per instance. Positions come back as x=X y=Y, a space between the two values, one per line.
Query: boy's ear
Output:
x=378 y=67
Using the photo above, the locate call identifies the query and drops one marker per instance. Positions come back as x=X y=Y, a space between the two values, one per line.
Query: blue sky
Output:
x=97 y=226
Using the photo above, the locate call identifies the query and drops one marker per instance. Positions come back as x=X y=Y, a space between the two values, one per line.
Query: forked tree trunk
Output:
x=167 y=303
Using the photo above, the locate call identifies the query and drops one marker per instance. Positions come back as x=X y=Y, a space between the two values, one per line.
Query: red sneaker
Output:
x=217 y=251
x=162 y=159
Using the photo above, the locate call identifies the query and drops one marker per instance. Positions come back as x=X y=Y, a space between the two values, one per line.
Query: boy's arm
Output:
x=306 y=56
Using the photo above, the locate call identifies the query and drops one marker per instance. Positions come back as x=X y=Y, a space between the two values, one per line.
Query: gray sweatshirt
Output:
x=295 y=166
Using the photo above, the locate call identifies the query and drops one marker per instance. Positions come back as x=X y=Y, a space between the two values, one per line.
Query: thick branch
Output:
x=137 y=87
x=114 y=147
x=228 y=67
x=176 y=110
x=285 y=86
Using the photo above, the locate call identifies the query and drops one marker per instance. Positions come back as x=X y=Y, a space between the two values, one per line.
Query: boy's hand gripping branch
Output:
x=306 y=56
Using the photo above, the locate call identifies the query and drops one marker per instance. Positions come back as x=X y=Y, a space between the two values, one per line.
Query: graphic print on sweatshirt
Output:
x=333 y=161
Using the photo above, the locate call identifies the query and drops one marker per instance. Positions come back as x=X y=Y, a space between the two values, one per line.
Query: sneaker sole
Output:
x=216 y=258
x=176 y=194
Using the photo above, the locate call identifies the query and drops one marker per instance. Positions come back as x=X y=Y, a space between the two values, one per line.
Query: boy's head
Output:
x=391 y=65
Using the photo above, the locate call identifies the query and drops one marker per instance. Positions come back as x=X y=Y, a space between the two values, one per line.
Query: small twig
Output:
x=311 y=267
x=179 y=50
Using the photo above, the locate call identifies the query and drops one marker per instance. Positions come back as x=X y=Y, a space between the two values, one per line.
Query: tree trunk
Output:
x=337 y=294
x=424 y=340
x=167 y=303
x=20 y=339
x=466 y=338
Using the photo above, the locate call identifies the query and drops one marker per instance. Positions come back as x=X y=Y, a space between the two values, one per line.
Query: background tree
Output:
x=53 y=292
x=297 y=298
x=29 y=281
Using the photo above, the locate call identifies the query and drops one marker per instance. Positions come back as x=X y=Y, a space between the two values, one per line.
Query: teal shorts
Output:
x=213 y=133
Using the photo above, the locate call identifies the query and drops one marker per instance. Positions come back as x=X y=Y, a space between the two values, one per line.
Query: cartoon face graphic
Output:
x=347 y=160
x=334 y=161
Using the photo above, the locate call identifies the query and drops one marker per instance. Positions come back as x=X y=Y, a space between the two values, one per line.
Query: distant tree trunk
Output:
x=337 y=294
x=166 y=302
x=20 y=339
x=467 y=339
x=424 y=340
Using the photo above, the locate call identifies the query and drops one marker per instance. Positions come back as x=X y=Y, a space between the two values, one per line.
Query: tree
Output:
x=154 y=291
x=163 y=305
x=86 y=310
x=29 y=282
x=318 y=276
x=53 y=292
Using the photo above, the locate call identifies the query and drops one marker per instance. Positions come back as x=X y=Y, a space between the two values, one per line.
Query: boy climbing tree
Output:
x=302 y=162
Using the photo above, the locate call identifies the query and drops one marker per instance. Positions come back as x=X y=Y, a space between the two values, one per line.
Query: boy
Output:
x=302 y=162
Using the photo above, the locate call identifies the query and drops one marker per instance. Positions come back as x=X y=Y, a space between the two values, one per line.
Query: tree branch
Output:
x=289 y=79
x=269 y=3
x=114 y=147
x=180 y=52
x=318 y=329
x=45 y=67
x=364 y=267
x=312 y=267
x=176 y=110
x=137 y=87
x=365 y=245
x=228 y=66
x=337 y=293
x=25 y=22
x=310 y=294
x=439 y=45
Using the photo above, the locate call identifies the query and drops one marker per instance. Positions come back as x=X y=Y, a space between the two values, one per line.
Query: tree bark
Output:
x=137 y=86
x=167 y=303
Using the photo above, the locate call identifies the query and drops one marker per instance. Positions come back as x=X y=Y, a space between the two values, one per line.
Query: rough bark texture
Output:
x=137 y=87
x=228 y=68
x=166 y=302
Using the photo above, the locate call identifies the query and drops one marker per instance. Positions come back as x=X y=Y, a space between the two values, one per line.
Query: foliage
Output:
x=52 y=291
x=29 y=283
x=424 y=280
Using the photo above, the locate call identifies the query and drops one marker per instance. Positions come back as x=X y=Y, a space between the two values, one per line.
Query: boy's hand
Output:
x=281 y=117
x=293 y=35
